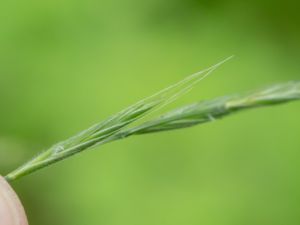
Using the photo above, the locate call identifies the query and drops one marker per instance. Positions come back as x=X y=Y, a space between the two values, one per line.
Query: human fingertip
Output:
x=11 y=209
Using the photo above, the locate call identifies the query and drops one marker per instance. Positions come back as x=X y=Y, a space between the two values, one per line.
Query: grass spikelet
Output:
x=112 y=128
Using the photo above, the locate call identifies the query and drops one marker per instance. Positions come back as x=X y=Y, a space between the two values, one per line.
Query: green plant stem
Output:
x=202 y=112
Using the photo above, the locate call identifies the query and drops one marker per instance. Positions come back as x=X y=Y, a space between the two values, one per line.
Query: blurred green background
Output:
x=65 y=65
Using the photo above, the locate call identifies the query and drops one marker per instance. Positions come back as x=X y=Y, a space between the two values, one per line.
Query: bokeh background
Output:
x=65 y=65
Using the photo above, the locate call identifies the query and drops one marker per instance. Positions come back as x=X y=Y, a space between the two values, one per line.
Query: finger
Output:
x=11 y=209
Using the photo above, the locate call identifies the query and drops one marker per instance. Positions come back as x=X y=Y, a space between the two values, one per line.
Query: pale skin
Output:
x=11 y=209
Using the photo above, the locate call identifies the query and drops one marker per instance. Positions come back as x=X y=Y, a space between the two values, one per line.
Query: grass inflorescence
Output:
x=117 y=127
